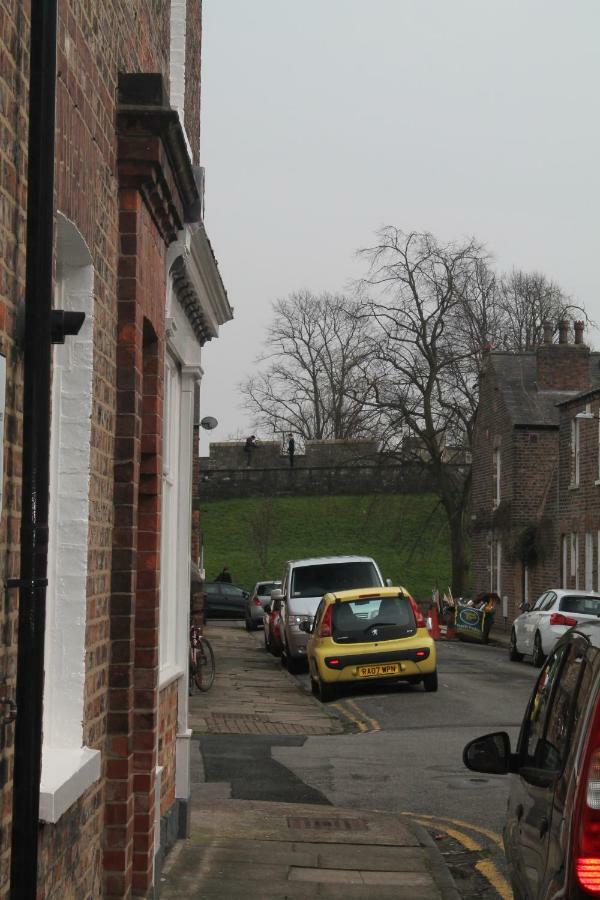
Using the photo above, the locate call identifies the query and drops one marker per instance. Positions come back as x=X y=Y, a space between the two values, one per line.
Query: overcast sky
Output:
x=323 y=120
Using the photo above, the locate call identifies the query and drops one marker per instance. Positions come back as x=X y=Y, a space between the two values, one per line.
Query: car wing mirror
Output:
x=489 y=754
x=525 y=606
x=277 y=594
x=389 y=582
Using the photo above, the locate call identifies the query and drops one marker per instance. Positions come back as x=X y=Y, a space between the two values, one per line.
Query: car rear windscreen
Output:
x=584 y=606
x=373 y=619
x=264 y=590
x=314 y=581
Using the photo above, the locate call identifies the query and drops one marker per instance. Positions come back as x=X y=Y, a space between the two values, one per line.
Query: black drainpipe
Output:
x=36 y=452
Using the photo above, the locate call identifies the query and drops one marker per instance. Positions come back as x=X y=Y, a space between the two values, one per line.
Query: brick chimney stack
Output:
x=563 y=366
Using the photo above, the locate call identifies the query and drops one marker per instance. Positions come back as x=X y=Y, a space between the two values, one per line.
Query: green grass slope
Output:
x=406 y=535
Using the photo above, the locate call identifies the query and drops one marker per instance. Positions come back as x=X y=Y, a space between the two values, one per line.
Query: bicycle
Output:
x=202 y=661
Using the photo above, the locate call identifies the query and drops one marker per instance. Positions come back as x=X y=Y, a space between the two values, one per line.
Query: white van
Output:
x=303 y=584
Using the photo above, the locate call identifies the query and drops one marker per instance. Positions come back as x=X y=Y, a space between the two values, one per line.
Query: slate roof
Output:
x=516 y=379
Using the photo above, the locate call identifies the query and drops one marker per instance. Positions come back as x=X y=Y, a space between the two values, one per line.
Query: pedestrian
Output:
x=249 y=448
x=291 y=448
x=224 y=575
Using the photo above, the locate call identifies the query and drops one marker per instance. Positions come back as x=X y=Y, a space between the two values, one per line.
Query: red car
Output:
x=272 y=628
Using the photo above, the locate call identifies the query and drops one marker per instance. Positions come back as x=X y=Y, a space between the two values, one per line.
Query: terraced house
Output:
x=93 y=664
x=534 y=518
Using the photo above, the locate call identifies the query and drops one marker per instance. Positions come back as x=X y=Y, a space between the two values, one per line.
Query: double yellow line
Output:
x=356 y=715
x=485 y=867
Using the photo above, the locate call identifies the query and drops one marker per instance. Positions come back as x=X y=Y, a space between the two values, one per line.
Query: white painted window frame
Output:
x=589 y=561
x=171 y=604
x=497 y=464
x=68 y=767
x=574 y=453
x=498 y=587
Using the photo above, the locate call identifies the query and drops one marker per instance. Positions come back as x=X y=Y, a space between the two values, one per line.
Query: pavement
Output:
x=248 y=848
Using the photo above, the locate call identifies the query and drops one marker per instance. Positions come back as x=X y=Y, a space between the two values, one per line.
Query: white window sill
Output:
x=597 y=483
x=168 y=674
x=66 y=776
x=573 y=487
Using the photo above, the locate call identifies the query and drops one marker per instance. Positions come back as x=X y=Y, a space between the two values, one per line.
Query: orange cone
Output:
x=433 y=624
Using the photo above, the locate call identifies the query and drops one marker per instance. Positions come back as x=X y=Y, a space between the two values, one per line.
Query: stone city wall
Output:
x=325 y=467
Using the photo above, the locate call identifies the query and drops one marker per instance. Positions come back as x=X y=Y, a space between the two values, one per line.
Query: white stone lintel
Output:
x=66 y=776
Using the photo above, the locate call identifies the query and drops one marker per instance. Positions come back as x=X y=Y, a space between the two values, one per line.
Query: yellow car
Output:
x=367 y=635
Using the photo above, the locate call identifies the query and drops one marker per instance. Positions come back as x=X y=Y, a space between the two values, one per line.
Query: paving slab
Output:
x=251 y=849
x=252 y=694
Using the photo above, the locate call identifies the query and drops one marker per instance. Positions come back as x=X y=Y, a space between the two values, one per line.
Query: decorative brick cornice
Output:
x=153 y=154
x=188 y=298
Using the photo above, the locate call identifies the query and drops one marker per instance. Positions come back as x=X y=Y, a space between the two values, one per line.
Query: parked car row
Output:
x=538 y=629
x=336 y=616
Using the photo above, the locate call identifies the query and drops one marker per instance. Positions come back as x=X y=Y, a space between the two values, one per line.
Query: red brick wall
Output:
x=580 y=505
x=14 y=69
x=563 y=367
x=528 y=494
x=95 y=42
x=193 y=41
x=167 y=744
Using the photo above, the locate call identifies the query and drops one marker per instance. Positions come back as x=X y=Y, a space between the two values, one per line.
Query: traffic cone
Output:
x=433 y=624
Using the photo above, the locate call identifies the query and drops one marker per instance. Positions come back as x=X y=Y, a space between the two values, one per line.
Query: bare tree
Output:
x=525 y=301
x=262 y=527
x=436 y=308
x=313 y=382
x=423 y=367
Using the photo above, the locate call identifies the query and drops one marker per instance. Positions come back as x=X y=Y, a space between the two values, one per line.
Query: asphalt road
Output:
x=410 y=758
x=402 y=752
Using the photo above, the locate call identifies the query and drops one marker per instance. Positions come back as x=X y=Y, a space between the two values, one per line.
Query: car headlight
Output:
x=296 y=620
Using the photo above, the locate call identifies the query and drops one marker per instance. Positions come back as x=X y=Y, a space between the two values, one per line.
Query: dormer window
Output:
x=497 y=471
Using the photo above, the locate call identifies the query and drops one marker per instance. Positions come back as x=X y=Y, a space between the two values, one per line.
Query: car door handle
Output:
x=519 y=812
x=543 y=827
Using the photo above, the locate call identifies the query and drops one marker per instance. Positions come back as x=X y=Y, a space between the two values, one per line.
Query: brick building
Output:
x=579 y=491
x=131 y=252
x=518 y=454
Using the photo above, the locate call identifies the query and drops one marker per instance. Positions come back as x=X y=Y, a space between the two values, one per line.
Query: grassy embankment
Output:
x=406 y=535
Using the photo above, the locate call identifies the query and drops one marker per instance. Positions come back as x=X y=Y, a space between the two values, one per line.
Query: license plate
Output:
x=388 y=669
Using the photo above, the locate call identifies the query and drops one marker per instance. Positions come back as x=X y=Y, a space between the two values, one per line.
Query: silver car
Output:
x=260 y=596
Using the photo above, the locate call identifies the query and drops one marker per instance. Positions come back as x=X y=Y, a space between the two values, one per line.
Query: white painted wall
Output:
x=68 y=768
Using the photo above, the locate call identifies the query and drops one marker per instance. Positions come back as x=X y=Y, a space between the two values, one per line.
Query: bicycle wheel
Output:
x=204 y=674
x=193 y=669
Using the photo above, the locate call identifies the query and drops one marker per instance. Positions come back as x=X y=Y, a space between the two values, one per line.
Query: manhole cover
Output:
x=329 y=824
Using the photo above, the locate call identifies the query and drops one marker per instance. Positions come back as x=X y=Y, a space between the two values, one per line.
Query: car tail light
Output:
x=586 y=844
x=257 y=602
x=560 y=619
x=421 y=654
x=420 y=621
x=326 y=629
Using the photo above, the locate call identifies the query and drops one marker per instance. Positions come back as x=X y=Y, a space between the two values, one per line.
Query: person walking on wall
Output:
x=224 y=575
x=291 y=448
x=249 y=448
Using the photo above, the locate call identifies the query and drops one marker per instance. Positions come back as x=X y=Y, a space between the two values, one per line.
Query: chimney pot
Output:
x=548 y=332
x=579 y=326
x=563 y=331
